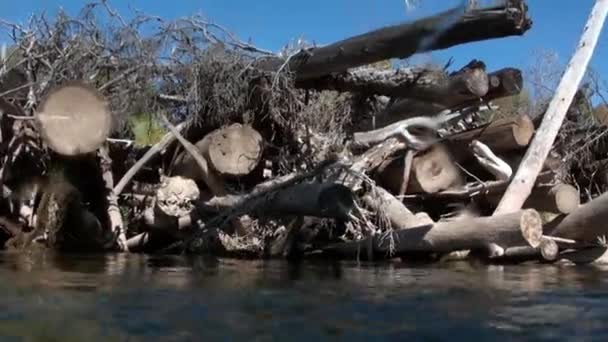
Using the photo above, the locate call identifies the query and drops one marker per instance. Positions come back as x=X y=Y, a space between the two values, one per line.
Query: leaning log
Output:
x=441 y=31
x=516 y=229
x=586 y=223
x=74 y=119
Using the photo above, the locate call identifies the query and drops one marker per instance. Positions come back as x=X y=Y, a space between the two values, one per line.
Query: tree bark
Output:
x=329 y=200
x=533 y=161
x=516 y=229
x=586 y=223
x=441 y=31
x=471 y=82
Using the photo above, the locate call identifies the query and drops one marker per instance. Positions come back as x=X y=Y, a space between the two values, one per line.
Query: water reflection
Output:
x=120 y=297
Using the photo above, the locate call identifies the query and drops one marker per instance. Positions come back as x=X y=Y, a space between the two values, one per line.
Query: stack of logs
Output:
x=429 y=193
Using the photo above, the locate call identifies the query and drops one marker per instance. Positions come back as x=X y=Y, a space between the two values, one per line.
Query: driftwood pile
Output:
x=316 y=152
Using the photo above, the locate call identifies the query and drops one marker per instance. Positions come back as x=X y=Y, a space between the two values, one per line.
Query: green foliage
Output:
x=146 y=129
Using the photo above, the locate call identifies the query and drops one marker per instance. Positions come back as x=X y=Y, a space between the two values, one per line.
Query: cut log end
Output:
x=74 y=119
x=549 y=249
x=523 y=130
x=567 y=198
x=531 y=227
x=235 y=150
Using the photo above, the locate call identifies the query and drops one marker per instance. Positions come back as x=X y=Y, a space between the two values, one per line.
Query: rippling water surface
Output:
x=49 y=297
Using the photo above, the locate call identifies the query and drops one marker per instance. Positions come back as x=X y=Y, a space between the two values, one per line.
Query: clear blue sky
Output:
x=272 y=23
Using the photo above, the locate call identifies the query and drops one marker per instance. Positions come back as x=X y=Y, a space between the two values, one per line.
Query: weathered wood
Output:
x=586 y=223
x=471 y=82
x=160 y=146
x=500 y=135
x=491 y=162
x=516 y=229
x=114 y=215
x=393 y=209
x=231 y=151
x=541 y=145
x=434 y=170
x=304 y=199
x=502 y=83
x=74 y=119
x=560 y=198
x=441 y=31
x=399 y=130
x=548 y=250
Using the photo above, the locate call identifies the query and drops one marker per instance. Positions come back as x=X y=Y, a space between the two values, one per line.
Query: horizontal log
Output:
x=586 y=223
x=471 y=82
x=516 y=229
x=548 y=250
x=441 y=31
x=328 y=200
x=559 y=198
x=502 y=83
x=500 y=135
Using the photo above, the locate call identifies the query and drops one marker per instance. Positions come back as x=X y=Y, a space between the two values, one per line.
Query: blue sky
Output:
x=273 y=23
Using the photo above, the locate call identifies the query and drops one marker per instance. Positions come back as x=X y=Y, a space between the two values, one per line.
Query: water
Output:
x=49 y=297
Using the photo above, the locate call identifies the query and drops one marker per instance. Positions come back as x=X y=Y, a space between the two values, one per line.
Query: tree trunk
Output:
x=525 y=177
x=586 y=223
x=304 y=199
x=441 y=31
x=548 y=250
x=516 y=229
x=471 y=82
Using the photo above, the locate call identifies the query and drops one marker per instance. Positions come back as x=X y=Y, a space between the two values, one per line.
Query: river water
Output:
x=49 y=297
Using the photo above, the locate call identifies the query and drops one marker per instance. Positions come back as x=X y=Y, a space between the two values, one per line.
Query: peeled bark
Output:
x=74 y=119
x=586 y=223
x=516 y=229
